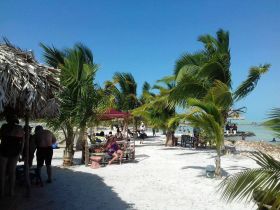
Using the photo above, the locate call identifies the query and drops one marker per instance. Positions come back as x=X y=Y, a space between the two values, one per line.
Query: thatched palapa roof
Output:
x=25 y=84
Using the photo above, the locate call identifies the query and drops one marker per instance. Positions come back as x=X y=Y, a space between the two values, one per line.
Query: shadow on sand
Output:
x=69 y=190
x=202 y=170
x=147 y=144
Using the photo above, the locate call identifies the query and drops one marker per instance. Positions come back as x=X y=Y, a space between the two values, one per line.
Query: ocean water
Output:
x=261 y=132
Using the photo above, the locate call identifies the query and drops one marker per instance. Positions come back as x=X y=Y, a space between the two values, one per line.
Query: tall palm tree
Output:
x=79 y=93
x=261 y=184
x=196 y=73
x=208 y=114
x=202 y=75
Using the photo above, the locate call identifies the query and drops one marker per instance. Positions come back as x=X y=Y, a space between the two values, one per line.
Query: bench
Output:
x=128 y=153
x=187 y=140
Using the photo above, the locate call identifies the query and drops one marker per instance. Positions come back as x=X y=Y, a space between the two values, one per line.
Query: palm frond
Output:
x=52 y=56
x=251 y=82
x=174 y=121
x=273 y=121
x=213 y=71
x=195 y=59
x=262 y=184
x=208 y=108
x=220 y=95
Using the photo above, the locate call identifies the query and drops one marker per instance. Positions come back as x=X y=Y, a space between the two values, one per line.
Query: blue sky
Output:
x=146 y=37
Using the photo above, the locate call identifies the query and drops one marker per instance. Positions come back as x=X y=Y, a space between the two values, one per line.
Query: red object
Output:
x=114 y=114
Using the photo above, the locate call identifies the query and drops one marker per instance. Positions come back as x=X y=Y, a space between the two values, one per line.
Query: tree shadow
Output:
x=235 y=168
x=172 y=148
x=193 y=167
x=188 y=153
x=203 y=170
x=69 y=190
x=150 y=144
x=141 y=157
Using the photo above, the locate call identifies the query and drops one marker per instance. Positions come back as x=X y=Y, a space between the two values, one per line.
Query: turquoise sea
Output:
x=261 y=132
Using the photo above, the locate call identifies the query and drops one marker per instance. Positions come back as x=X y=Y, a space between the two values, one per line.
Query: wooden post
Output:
x=86 y=151
x=26 y=160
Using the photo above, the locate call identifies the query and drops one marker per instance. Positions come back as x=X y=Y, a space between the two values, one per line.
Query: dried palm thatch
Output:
x=26 y=85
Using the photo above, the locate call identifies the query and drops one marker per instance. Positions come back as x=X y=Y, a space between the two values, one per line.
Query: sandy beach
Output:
x=160 y=178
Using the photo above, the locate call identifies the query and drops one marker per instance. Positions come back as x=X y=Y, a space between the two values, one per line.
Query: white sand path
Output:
x=160 y=178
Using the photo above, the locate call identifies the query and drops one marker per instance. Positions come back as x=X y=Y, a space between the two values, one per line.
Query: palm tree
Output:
x=79 y=93
x=156 y=110
x=202 y=75
x=196 y=73
x=123 y=92
x=261 y=184
x=208 y=114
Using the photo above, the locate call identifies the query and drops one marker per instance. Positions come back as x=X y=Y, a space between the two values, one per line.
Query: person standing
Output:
x=142 y=132
x=154 y=132
x=12 y=140
x=44 y=140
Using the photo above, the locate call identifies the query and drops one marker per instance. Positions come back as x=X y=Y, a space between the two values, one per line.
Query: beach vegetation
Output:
x=260 y=184
x=273 y=121
x=80 y=97
x=206 y=75
x=122 y=91
x=155 y=108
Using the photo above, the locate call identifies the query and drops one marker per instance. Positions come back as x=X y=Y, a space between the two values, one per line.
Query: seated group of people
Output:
x=231 y=128
x=111 y=149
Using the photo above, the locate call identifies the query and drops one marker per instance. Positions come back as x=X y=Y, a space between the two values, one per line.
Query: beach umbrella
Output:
x=113 y=114
x=27 y=87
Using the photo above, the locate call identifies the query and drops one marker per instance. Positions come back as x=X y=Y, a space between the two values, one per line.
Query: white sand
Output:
x=160 y=178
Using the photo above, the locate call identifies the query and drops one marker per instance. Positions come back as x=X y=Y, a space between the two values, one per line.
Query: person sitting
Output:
x=129 y=133
x=234 y=128
x=114 y=151
x=119 y=135
x=109 y=135
x=227 y=129
x=101 y=133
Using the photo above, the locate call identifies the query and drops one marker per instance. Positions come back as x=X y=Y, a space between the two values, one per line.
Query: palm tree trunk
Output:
x=83 y=139
x=218 y=172
x=135 y=127
x=69 y=149
x=169 y=138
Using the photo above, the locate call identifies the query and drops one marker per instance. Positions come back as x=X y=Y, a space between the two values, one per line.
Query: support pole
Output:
x=26 y=160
